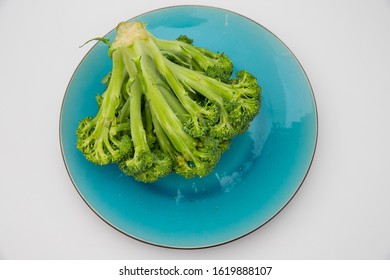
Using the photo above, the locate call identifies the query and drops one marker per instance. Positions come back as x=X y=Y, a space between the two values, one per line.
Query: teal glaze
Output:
x=255 y=178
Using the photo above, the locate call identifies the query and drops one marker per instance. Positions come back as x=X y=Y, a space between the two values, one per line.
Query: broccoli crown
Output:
x=162 y=166
x=222 y=68
x=185 y=39
x=169 y=106
x=246 y=102
x=140 y=162
x=99 y=144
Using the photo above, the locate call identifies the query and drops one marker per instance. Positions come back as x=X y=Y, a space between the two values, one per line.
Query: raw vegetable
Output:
x=169 y=106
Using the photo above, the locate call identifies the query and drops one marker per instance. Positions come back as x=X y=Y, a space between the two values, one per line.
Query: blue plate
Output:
x=255 y=178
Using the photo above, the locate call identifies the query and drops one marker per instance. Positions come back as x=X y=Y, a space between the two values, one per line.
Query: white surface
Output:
x=342 y=210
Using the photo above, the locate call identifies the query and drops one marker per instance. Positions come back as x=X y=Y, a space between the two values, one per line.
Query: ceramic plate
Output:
x=255 y=178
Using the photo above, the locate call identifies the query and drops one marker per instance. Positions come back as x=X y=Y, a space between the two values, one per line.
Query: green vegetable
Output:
x=169 y=106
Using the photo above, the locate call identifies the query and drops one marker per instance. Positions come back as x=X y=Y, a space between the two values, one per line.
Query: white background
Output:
x=342 y=211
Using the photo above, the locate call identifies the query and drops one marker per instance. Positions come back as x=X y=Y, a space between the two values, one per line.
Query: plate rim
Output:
x=242 y=235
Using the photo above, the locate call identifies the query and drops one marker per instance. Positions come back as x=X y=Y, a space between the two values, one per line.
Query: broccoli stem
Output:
x=106 y=114
x=202 y=57
x=113 y=92
x=162 y=63
x=135 y=92
x=210 y=88
x=174 y=103
x=162 y=138
x=168 y=120
x=137 y=129
x=148 y=118
x=124 y=113
x=169 y=96
x=122 y=126
x=138 y=67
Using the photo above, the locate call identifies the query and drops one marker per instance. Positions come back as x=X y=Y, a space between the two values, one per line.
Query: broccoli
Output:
x=169 y=106
x=101 y=139
x=183 y=52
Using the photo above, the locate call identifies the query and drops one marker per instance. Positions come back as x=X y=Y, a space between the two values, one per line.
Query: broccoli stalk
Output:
x=169 y=106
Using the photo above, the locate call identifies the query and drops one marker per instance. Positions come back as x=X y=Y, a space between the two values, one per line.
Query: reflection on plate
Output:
x=255 y=178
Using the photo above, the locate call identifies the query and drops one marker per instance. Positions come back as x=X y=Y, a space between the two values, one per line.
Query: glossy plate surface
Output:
x=255 y=178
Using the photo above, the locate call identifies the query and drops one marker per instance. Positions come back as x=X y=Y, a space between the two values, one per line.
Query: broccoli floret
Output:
x=169 y=107
x=100 y=138
x=147 y=116
x=185 y=39
x=162 y=166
